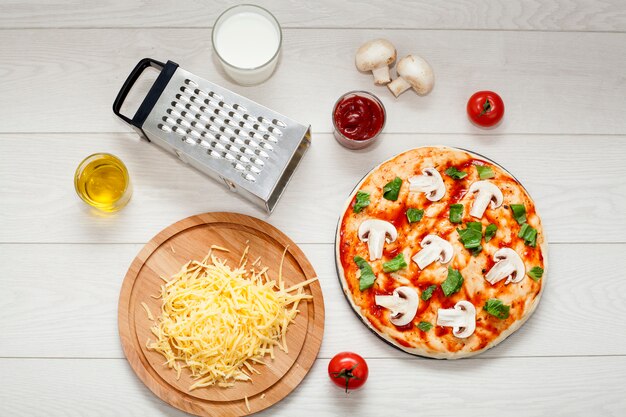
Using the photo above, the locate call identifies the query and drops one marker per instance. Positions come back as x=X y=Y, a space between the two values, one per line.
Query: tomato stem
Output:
x=486 y=107
x=346 y=374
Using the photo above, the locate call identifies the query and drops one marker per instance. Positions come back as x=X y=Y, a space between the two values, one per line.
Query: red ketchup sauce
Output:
x=358 y=118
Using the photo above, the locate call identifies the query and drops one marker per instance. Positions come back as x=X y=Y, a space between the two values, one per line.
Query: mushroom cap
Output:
x=375 y=54
x=487 y=186
x=430 y=183
x=375 y=232
x=470 y=314
x=403 y=305
x=417 y=71
x=447 y=251
x=462 y=318
x=516 y=263
x=376 y=224
x=440 y=191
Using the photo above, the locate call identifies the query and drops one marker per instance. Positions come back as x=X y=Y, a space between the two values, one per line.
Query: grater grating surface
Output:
x=253 y=150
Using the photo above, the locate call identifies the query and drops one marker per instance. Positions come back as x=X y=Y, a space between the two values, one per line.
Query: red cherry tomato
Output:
x=485 y=108
x=348 y=370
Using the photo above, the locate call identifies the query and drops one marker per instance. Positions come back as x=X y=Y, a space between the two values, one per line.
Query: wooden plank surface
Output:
x=552 y=15
x=560 y=67
x=576 y=181
x=525 y=387
x=60 y=80
x=61 y=308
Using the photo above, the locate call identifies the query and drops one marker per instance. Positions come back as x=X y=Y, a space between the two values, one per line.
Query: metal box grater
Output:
x=251 y=149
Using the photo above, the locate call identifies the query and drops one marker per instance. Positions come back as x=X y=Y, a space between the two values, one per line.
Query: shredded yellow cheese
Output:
x=219 y=322
x=148 y=312
x=219 y=248
x=247 y=403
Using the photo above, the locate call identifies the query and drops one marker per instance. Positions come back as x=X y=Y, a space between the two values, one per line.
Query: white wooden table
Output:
x=560 y=66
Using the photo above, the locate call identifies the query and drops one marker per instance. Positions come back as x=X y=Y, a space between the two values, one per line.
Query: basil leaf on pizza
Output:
x=519 y=213
x=453 y=282
x=367 y=278
x=456 y=213
x=535 y=273
x=454 y=173
x=362 y=201
x=476 y=251
x=395 y=264
x=414 y=215
x=476 y=226
x=392 y=189
x=497 y=308
x=484 y=172
x=444 y=289
x=490 y=232
x=529 y=234
x=424 y=326
x=470 y=237
x=428 y=292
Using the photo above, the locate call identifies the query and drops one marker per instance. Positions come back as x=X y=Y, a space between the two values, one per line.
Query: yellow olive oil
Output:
x=102 y=181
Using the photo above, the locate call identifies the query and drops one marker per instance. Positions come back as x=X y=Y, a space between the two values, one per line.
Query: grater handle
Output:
x=128 y=84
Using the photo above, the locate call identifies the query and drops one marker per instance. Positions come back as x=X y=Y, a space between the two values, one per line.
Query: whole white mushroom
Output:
x=413 y=72
x=403 y=304
x=376 y=56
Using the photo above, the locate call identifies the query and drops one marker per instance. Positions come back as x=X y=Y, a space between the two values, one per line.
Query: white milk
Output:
x=246 y=42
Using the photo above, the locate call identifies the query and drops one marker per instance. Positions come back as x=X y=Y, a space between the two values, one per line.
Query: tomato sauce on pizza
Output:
x=425 y=200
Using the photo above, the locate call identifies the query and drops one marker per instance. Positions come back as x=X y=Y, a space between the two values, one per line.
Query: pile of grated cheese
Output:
x=218 y=322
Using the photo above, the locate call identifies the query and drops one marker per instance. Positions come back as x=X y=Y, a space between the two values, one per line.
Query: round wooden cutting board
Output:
x=191 y=239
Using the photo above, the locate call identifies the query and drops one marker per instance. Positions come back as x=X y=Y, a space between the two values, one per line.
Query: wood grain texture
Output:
x=190 y=239
x=554 y=169
x=564 y=131
x=554 y=15
x=556 y=83
x=525 y=387
x=68 y=309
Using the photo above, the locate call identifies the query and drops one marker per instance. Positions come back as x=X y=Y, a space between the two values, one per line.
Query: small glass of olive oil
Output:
x=102 y=181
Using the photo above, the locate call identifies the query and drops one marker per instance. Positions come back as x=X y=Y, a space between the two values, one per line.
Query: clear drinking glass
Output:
x=365 y=142
x=247 y=41
x=102 y=181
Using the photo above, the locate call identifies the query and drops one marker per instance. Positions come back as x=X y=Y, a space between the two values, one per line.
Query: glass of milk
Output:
x=247 y=41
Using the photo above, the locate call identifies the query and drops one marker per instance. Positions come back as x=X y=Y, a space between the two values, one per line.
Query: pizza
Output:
x=441 y=252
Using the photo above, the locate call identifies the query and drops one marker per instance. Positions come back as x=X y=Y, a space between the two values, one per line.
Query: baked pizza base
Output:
x=439 y=342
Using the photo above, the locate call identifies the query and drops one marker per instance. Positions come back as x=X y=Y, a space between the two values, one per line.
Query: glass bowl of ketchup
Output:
x=358 y=118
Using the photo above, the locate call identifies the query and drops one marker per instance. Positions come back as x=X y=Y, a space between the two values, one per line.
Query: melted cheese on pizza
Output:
x=439 y=341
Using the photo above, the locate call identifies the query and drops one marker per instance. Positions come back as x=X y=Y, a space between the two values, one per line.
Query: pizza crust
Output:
x=421 y=351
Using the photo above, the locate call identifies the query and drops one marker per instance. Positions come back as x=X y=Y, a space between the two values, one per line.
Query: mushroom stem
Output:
x=487 y=193
x=434 y=249
x=375 y=242
x=451 y=317
x=381 y=75
x=398 y=86
x=429 y=183
x=480 y=205
x=390 y=302
x=422 y=184
x=508 y=265
x=402 y=305
x=427 y=256
x=375 y=233
x=500 y=271
x=462 y=318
